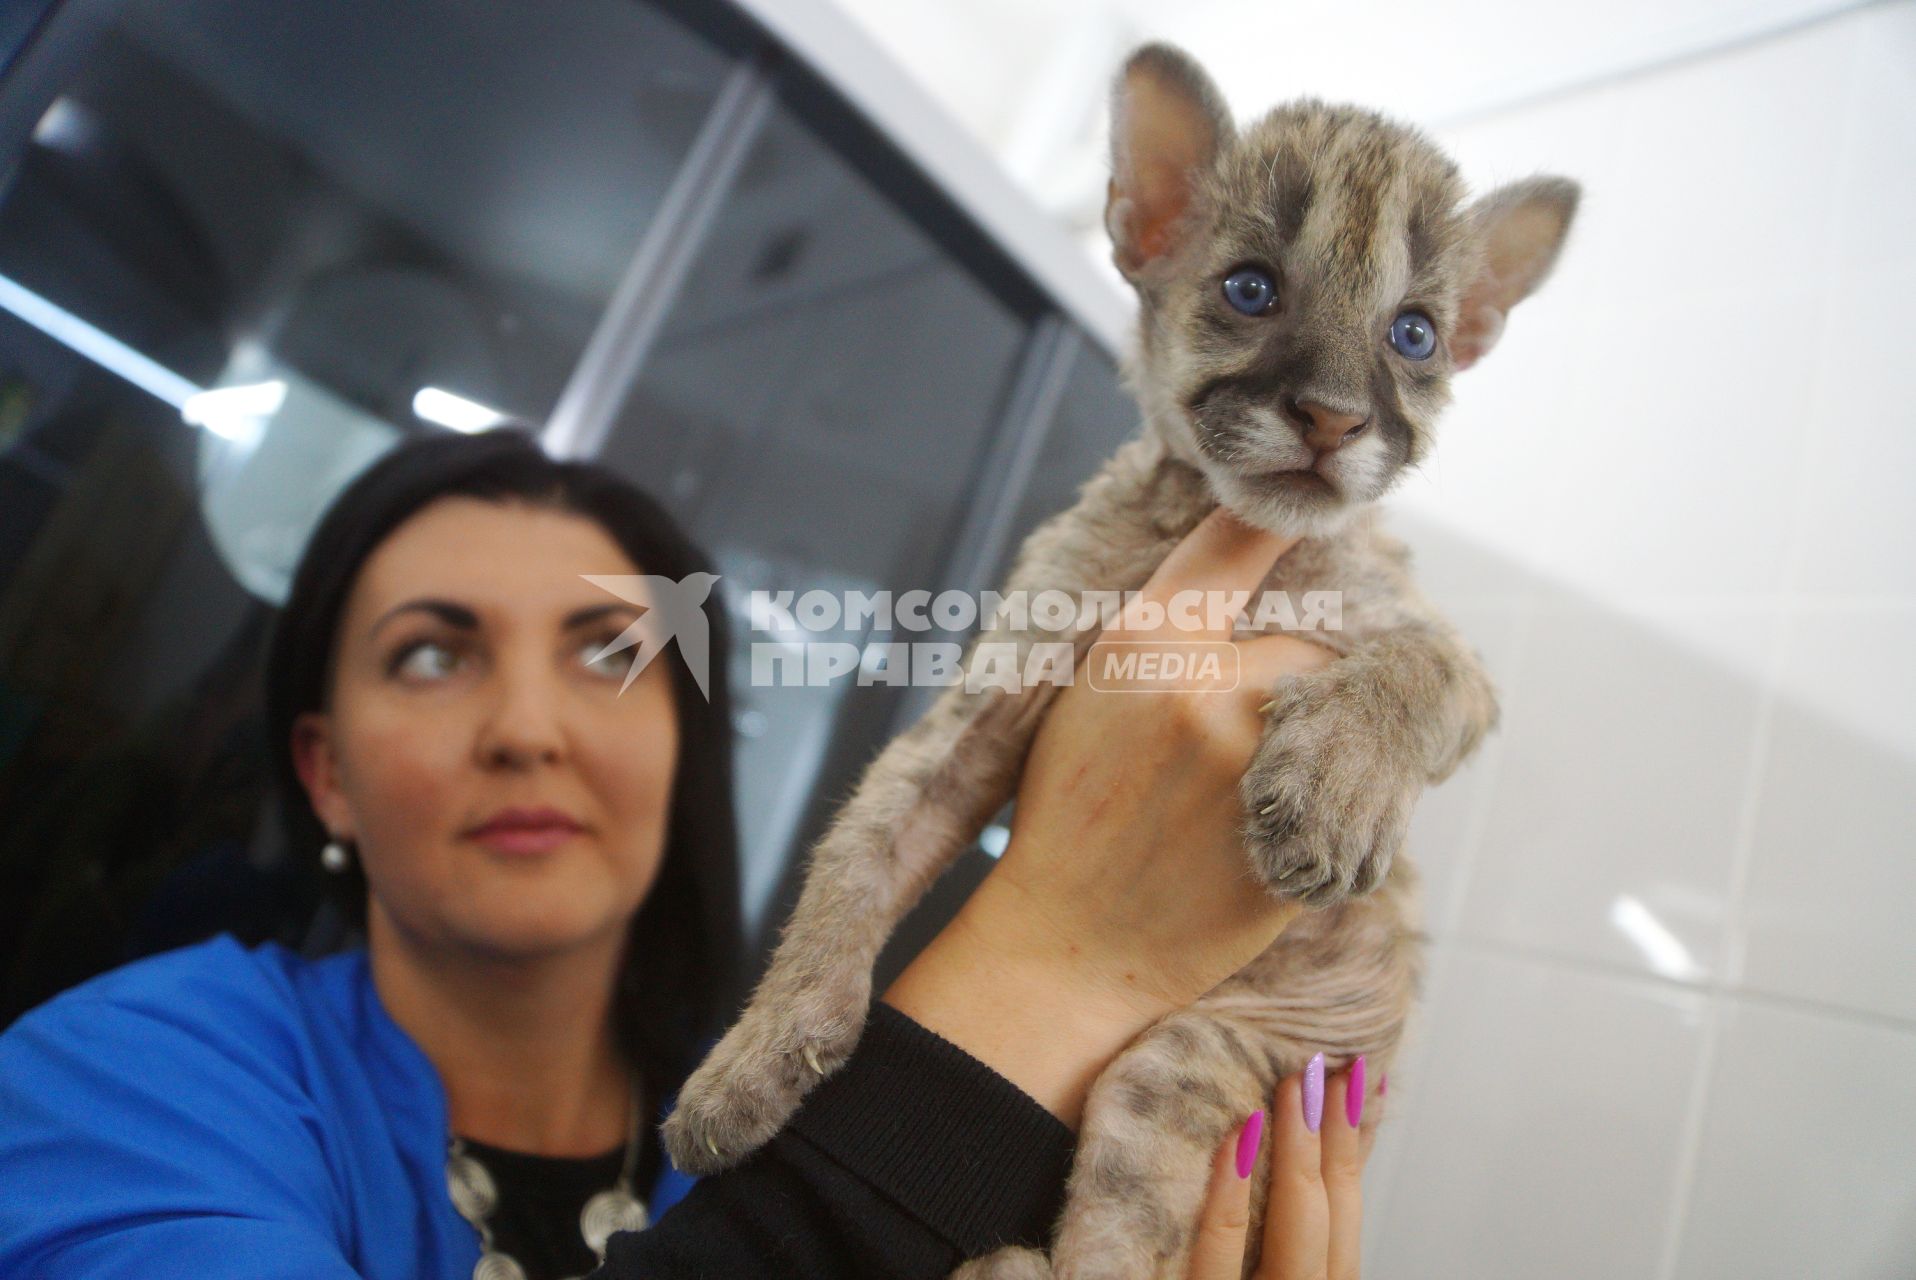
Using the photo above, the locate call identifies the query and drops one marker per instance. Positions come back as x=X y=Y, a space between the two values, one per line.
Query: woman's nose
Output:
x=523 y=723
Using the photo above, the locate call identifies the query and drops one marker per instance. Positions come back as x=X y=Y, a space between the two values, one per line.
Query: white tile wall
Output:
x=1723 y=167
x=1671 y=1031
x=1683 y=402
x=1878 y=183
x=1862 y=428
x=1448 y=823
x=1832 y=876
x=1625 y=762
x=1543 y=1127
x=1805 y=1165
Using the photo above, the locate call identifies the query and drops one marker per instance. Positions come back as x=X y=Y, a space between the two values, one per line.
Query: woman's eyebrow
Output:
x=458 y=615
x=593 y=612
x=453 y=615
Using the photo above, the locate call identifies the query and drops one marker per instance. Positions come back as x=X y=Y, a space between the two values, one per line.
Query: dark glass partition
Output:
x=1095 y=415
x=249 y=245
x=246 y=247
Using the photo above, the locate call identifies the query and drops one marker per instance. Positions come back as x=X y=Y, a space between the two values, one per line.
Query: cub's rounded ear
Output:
x=1520 y=228
x=1168 y=123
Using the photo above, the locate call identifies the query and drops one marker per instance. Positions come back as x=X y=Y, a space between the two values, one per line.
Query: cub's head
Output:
x=1307 y=286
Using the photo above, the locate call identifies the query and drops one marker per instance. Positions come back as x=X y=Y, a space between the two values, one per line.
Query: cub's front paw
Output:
x=1329 y=793
x=755 y=1077
x=1010 y=1263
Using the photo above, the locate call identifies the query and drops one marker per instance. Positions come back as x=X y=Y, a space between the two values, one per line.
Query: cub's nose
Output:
x=1322 y=427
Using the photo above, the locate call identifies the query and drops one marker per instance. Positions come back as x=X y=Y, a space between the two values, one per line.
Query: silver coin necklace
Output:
x=476 y=1196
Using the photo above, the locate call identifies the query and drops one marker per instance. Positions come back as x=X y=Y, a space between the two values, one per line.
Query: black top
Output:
x=912 y=1158
x=536 y=1222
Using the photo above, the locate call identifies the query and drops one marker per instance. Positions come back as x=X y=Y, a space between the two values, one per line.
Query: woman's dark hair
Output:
x=684 y=950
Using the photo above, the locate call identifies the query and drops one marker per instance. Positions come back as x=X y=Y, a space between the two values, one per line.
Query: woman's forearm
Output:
x=910 y=1158
x=1025 y=1000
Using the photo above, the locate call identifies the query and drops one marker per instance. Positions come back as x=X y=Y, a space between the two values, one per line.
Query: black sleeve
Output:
x=912 y=1158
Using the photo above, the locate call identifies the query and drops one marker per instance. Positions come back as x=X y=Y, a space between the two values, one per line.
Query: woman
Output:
x=544 y=863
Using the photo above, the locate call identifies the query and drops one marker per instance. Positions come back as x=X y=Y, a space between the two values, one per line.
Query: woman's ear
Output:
x=1520 y=228
x=1168 y=123
x=318 y=770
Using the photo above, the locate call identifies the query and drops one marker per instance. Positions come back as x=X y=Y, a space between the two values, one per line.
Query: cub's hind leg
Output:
x=1339 y=981
x=1151 y=1126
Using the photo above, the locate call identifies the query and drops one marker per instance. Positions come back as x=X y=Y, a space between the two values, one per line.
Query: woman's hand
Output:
x=1127 y=844
x=1314 y=1204
x=1125 y=891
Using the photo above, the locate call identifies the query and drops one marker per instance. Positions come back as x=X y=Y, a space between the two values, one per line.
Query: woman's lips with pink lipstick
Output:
x=526 y=831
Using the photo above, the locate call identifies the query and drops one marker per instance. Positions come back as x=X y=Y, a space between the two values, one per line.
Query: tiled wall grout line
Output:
x=1724 y=983
x=1797 y=547
x=1449 y=917
x=1410 y=1070
x=1621 y=971
x=1690 y=1149
x=1442 y=918
x=1823 y=1009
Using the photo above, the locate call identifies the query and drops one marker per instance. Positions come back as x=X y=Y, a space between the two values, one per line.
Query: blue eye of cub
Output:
x=1414 y=336
x=1250 y=290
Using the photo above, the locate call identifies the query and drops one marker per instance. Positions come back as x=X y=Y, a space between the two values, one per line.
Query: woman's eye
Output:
x=410 y=662
x=1414 y=336
x=1251 y=290
x=612 y=664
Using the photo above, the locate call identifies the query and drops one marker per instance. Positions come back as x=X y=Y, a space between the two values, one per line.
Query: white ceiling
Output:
x=1028 y=77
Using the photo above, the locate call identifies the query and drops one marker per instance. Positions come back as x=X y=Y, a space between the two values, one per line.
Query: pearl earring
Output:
x=334 y=857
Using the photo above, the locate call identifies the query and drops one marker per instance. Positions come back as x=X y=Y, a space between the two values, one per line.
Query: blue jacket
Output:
x=217 y=1111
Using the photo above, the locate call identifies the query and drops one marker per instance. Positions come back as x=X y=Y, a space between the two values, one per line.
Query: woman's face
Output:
x=462 y=687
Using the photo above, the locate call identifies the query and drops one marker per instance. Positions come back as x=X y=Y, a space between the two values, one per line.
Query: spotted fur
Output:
x=1357 y=218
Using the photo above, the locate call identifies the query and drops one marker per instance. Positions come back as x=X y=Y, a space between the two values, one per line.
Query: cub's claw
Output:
x=1329 y=794
x=761 y=1069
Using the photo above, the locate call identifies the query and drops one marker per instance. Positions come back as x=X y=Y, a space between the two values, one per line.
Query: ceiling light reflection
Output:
x=95 y=344
x=235 y=413
x=1651 y=936
x=457 y=412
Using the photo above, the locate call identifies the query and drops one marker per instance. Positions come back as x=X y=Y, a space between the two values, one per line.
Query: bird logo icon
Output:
x=669 y=607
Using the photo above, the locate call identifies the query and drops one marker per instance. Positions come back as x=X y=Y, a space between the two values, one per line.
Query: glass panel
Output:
x=1095 y=416
x=243 y=242
x=816 y=411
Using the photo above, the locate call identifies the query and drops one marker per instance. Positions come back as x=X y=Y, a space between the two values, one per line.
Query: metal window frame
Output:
x=608 y=369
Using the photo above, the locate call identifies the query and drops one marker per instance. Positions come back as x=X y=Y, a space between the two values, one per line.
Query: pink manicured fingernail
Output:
x=1249 y=1139
x=1383 y=1083
x=1314 y=1092
x=1354 y=1093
